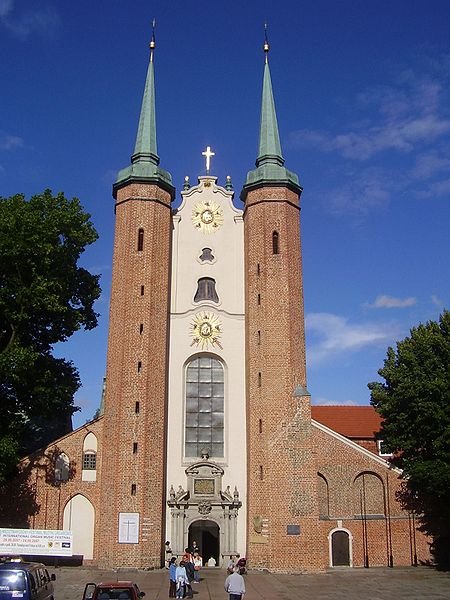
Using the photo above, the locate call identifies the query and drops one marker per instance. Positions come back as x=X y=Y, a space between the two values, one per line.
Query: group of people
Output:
x=183 y=575
x=187 y=572
x=237 y=561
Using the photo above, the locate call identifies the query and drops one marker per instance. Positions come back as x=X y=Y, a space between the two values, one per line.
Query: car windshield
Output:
x=115 y=594
x=12 y=581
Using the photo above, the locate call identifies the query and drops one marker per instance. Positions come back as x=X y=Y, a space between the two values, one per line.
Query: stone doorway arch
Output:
x=340 y=548
x=208 y=508
x=207 y=535
x=79 y=517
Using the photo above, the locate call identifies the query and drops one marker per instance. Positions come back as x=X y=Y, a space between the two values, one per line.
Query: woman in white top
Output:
x=198 y=564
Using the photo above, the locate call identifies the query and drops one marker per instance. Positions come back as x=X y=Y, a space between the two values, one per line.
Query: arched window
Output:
x=275 y=243
x=140 y=244
x=368 y=495
x=204 y=407
x=206 y=255
x=62 y=465
x=206 y=290
x=323 y=496
x=89 y=472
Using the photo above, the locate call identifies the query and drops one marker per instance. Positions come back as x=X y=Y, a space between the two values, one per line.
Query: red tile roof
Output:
x=350 y=421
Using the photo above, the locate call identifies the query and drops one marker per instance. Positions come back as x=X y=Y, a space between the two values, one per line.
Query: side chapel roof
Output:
x=351 y=421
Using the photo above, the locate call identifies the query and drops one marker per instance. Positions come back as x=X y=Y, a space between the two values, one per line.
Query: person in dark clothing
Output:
x=190 y=572
x=241 y=564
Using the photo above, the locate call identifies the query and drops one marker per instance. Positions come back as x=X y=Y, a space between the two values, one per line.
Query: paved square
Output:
x=350 y=584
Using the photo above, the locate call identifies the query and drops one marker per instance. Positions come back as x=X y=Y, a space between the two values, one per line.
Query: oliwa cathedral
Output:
x=206 y=430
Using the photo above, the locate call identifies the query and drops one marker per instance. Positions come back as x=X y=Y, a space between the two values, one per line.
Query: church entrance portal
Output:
x=206 y=534
x=340 y=549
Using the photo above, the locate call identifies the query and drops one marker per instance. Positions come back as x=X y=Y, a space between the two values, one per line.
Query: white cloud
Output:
x=384 y=301
x=5 y=7
x=435 y=189
x=10 y=142
x=401 y=135
x=364 y=190
x=406 y=125
x=327 y=402
x=45 y=20
x=427 y=165
x=332 y=334
x=437 y=301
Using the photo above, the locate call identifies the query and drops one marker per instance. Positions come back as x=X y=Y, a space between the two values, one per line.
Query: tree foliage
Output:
x=414 y=401
x=45 y=296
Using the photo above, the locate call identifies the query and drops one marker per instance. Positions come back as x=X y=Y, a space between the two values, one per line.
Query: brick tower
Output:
x=280 y=461
x=133 y=457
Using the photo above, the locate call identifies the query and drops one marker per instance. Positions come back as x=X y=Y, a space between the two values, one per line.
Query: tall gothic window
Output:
x=206 y=290
x=140 y=244
x=275 y=243
x=204 y=407
x=89 y=458
x=62 y=467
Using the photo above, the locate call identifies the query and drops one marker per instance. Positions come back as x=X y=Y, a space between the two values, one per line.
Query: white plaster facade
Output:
x=226 y=242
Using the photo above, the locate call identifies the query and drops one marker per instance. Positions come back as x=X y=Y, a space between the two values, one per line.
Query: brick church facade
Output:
x=207 y=431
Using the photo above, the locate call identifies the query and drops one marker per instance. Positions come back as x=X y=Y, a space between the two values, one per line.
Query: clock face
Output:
x=206 y=329
x=207 y=216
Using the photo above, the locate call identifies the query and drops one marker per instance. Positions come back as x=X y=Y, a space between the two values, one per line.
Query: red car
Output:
x=112 y=590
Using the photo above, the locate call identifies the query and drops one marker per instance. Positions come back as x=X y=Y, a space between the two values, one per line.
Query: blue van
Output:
x=27 y=581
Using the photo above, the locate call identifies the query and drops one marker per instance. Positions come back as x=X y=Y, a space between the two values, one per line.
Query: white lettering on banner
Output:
x=51 y=542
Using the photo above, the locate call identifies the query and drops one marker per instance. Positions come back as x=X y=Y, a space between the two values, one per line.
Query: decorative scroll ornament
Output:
x=207 y=216
x=204 y=507
x=206 y=330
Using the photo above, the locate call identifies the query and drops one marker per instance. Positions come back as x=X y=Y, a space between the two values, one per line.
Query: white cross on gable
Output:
x=208 y=153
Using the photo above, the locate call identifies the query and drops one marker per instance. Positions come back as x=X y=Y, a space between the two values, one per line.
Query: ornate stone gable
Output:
x=204 y=500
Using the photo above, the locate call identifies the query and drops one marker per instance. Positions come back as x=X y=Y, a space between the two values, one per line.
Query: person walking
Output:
x=235 y=585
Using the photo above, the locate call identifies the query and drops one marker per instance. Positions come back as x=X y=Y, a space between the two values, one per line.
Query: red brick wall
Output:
x=279 y=450
x=36 y=485
x=148 y=207
x=342 y=467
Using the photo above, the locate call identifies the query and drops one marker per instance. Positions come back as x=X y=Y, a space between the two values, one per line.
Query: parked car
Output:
x=28 y=581
x=112 y=590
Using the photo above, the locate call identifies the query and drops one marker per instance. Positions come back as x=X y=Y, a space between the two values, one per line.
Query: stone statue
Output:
x=258 y=523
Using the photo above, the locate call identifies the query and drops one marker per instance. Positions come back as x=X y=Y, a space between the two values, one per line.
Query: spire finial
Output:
x=152 y=41
x=266 y=43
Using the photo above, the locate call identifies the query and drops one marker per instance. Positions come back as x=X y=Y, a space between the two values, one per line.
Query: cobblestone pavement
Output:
x=348 y=584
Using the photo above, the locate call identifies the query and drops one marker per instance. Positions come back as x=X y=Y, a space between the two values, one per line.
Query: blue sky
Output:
x=363 y=102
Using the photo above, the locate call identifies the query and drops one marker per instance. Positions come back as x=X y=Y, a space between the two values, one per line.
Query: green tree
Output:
x=414 y=401
x=44 y=298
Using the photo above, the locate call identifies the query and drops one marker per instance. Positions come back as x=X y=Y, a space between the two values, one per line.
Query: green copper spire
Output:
x=145 y=160
x=269 y=139
x=146 y=146
x=270 y=168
